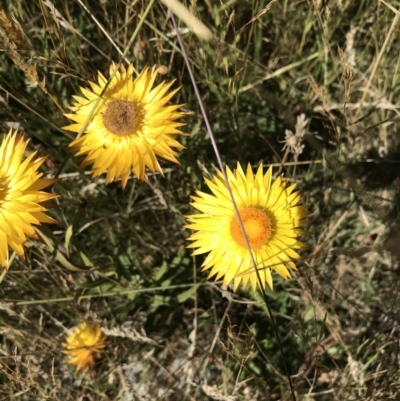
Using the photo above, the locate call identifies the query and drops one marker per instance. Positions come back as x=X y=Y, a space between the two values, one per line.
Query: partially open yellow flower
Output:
x=84 y=345
x=21 y=197
x=131 y=126
x=270 y=218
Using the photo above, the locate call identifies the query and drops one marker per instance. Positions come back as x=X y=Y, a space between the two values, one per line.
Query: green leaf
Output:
x=55 y=247
x=183 y=296
x=86 y=260
x=159 y=300
x=68 y=236
x=161 y=271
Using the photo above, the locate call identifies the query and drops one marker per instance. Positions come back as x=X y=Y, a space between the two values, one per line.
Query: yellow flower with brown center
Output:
x=22 y=201
x=131 y=126
x=84 y=345
x=270 y=217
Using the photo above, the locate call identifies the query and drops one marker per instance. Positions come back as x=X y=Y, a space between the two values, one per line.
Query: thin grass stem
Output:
x=221 y=166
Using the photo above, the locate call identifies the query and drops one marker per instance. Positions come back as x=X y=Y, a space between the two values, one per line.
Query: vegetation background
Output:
x=119 y=257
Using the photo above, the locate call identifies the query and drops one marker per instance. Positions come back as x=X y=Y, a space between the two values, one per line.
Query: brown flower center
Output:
x=4 y=189
x=121 y=117
x=256 y=224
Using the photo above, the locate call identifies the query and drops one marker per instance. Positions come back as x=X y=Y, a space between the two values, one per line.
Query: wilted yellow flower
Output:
x=84 y=345
x=270 y=218
x=21 y=198
x=130 y=127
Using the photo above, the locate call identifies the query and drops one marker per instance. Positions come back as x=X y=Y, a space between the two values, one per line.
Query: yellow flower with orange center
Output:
x=22 y=201
x=132 y=124
x=270 y=215
x=84 y=345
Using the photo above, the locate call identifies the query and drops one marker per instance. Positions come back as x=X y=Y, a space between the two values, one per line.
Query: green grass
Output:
x=122 y=259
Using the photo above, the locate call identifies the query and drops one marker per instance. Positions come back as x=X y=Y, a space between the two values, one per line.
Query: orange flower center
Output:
x=121 y=117
x=256 y=224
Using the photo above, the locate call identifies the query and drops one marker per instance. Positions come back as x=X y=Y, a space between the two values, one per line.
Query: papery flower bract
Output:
x=270 y=218
x=21 y=199
x=84 y=345
x=130 y=127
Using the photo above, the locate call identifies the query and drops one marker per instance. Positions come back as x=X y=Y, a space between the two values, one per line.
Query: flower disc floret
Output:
x=121 y=117
x=256 y=225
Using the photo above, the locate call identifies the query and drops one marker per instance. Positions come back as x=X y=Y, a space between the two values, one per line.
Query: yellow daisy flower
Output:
x=84 y=345
x=21 y=199
x=130 y=127
x=270 y=218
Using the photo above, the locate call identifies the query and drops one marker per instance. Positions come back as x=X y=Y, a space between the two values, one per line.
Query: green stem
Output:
x=105 y=294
